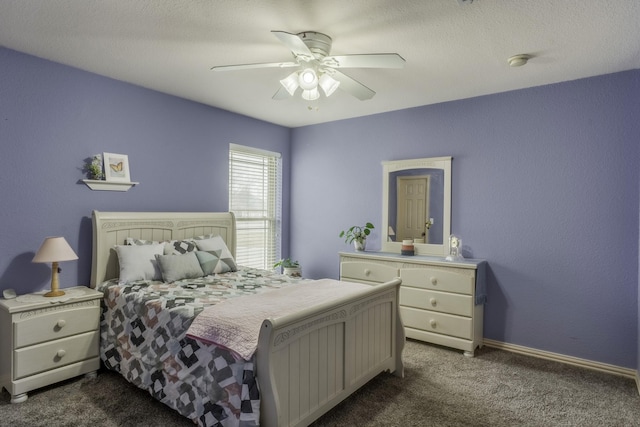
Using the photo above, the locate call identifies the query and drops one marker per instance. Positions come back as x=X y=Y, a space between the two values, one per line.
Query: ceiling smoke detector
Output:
x=518 y=60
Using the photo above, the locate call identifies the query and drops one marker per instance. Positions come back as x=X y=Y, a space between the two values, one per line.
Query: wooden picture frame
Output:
x=116 y=167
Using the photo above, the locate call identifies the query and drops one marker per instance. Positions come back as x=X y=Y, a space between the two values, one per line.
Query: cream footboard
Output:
x=310 y=361
x=307 y=362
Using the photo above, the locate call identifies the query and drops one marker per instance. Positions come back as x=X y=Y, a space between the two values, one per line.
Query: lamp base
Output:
x=55 y=287
x=56 y=293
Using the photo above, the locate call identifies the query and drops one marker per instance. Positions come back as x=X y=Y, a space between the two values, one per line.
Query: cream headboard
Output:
x=112 y=228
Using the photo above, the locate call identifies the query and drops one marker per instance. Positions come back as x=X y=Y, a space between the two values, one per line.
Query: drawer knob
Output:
x=61 y=323
x=432 y=323
x=433 y=302
x=367 y=272
x=60 y=353
x=434 y=281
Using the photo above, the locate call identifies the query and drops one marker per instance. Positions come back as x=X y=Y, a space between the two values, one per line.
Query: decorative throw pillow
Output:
x=218 y=248
x=210 y=262
x=138 y=262
x=178 y=267
x=178 y=247
x=134 y=241
x=173 y=247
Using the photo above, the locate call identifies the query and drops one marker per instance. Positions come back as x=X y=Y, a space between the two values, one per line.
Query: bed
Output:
x=305 y=362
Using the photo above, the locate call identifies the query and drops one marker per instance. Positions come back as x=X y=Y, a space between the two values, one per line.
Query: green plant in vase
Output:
x=358 y=235
x=289 y=267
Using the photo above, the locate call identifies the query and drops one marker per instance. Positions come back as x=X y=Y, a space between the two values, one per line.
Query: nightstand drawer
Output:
x=439 y=280
x=461 y=327
x=54 y=354
x=55 y=325
x=367 y=271
x=437 y=301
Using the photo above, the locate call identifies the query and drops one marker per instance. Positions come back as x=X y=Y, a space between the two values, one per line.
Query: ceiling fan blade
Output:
x=295 y=44
x=352 y=86
x=374 y=60
x=252 y=66
x=282 y=93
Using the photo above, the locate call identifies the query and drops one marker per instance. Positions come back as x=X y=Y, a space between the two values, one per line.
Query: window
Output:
x=255 y=182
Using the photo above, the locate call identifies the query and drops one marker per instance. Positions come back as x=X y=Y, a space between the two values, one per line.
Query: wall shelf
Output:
x=100 y=185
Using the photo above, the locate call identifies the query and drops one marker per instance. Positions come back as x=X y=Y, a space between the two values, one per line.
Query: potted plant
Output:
x=93 y=167
x=289 y=268
x=358 y=235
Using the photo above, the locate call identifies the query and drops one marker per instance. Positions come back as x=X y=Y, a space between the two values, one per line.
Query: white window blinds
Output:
x=255 y=182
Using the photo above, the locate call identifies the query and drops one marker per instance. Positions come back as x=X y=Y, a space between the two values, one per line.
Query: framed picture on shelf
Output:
x=116 y=167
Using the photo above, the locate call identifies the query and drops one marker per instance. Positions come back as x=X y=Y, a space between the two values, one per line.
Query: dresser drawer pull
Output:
x=433 y=323
x=367 y=272
x=60 y=353
x=434 y=281
x=61 y=324
x=433 y=302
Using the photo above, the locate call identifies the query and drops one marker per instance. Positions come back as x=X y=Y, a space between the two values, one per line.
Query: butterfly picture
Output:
x=118 y=167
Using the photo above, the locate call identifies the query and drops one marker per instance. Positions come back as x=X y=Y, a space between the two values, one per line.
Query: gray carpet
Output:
x=441 y=388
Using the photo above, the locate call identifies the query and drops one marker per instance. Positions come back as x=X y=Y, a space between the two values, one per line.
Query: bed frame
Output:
x=307 y=362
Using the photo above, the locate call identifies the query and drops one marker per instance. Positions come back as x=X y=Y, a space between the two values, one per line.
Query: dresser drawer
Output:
x=461 y=327
x=56 y=324
x=437 y=301
x=441 y=280
x=367 y=271
x=54 y=354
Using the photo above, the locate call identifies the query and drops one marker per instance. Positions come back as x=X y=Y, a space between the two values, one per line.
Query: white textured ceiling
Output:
x=453 y=51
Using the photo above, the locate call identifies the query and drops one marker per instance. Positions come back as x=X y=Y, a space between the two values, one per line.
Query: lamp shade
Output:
x=290 y=83
x=308 y=79
x=311 y=94
x=328 y=84
x=54 y=249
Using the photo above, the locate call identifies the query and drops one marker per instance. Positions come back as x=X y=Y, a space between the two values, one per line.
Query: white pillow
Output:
x=138 y=262
x=217 y=247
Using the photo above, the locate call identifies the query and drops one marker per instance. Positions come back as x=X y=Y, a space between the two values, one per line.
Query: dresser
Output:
x=441 y=302
x=46 y=340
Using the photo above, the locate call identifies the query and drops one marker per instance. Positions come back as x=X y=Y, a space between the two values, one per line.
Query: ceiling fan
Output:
x=316 y=68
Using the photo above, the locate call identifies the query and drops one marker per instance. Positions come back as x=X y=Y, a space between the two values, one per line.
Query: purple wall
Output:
x=52 y=117
x=545 y=187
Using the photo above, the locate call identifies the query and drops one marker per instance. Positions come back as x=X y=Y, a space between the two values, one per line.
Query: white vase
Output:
x=292 y=271
x=360 y=244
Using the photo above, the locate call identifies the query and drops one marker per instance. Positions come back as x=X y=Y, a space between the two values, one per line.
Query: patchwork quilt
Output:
x=143 y=337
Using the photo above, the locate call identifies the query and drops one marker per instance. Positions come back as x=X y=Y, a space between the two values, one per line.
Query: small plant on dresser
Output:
x=358 y=235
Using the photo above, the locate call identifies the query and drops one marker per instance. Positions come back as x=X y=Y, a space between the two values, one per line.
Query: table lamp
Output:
x=54 y=250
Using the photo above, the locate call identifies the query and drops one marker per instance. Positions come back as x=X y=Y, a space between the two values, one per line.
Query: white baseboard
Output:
x=576 y=361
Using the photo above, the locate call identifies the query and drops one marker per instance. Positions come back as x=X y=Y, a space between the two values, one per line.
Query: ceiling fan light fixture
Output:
x=311 y=94
x=290 y=83
x=308 y=79
x=328 y=84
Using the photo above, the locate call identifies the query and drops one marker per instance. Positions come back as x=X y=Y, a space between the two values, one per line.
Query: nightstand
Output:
x=47 y=340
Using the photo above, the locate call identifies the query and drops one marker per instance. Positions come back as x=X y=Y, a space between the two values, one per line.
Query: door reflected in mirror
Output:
x=417 y=205
x=416 y=198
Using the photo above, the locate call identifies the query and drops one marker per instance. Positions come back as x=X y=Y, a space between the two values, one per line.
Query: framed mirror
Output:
x=416 y=205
